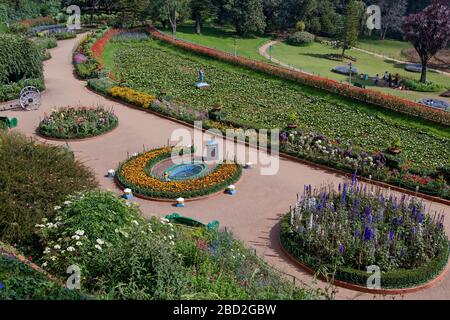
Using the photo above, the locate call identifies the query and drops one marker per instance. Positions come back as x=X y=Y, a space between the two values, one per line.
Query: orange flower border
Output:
x=133 y=174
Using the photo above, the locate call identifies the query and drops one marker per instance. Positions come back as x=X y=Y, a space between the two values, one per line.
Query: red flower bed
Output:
x=386 y=101
x=99 y=46
x=39 y=21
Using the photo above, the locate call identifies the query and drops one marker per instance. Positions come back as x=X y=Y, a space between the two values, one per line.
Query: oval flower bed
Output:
x=353 y=228
x=77 y=123
x=134 y=174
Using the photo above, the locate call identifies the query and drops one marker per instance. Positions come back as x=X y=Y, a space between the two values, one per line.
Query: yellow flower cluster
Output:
x=132 y=96
x=133 y=171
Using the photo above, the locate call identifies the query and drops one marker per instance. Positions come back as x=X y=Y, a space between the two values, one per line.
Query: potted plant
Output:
x=396 y=146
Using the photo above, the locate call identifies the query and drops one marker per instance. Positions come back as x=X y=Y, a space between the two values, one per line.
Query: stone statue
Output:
x=201 y=84
x=202 y=75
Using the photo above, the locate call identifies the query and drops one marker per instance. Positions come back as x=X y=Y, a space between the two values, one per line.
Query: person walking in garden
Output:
x=377 y=79
x=390 y=80
x=397 y=80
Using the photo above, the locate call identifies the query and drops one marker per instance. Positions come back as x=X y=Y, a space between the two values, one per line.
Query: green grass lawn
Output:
x=388 y=47
x=223 y=39
x=264 y=101
x=311 y=59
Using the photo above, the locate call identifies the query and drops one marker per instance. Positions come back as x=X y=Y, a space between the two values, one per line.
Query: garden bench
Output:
x=176 y=218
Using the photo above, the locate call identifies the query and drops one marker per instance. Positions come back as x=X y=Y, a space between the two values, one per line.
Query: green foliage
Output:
x=65 y=35
x=300 y=26
x=19 y=59
x=12 y=90
x=34 y=178
x=87 y=70
x=78 y=123
x=349 y=36
x=416 y=85
x=20 y=282
x=121 y=256
x=102 y=85
x=300 y=39
x=145 y=66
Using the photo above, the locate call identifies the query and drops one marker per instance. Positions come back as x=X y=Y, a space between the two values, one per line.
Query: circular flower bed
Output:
x=354 y=228
x=135 y=174
x=77 y=123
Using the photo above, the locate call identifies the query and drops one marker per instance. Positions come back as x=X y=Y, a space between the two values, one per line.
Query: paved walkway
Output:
x=253 y=214
x=263 y=52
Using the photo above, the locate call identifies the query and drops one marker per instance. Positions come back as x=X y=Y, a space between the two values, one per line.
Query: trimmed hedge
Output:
x=416 y=85
x=301 y=38
x=173 y=195
x=394 y=279
x=368 y=96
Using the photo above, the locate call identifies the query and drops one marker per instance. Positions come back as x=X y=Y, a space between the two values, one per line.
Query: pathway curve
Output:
x=263 y=52
x=253 y=214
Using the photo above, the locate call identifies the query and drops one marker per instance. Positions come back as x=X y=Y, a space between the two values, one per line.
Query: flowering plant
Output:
x=75 y=123
x=356 y=227
x=134 y=175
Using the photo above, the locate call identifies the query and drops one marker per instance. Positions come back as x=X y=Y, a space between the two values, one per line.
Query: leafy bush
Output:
x=121 y=256
x=87 y=70
x=132 y=96
x=11 y=91
x=72 y=123
x=20 y=282
x=300 y=26
x=416 y=85
x=103 y=85
x=65 y=35
x=19 y=59
x=34 y=178
x=300 y=38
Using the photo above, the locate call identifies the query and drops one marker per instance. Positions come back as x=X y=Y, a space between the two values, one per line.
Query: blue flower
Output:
x=2 y=285
x=341 y=248
x=391 y=235
x=368 y=234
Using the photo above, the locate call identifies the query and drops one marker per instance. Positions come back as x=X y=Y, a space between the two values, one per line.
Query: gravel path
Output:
x=253 y=214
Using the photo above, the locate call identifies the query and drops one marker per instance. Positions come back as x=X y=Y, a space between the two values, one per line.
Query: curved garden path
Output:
x=253 y=214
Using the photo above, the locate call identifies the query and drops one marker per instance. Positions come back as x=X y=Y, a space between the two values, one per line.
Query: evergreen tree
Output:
x=350 y=33
x=199 y=10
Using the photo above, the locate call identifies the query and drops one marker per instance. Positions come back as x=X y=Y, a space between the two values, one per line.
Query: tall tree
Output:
x=392 y=12
x=349 y=36
x=246 y=15
x=428 y=31
x=199 y=10
x=175 y=11
x=132 y=12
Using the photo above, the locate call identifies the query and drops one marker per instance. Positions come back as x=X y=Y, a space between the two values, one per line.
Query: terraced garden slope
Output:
x=261 y=101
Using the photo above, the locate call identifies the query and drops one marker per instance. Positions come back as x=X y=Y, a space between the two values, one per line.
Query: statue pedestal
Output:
x=201 y=85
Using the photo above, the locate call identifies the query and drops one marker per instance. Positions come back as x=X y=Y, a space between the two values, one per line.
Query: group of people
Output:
x=389 y=79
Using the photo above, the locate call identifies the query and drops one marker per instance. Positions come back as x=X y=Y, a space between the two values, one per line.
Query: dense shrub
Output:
x=122 y=256
x=416 y=85
x=65 y=35
x=20 y=282
x=34 y=178
x=19 y=59
x=103 y=85
x=300 y=38
x=87 y=70
x=78 y=123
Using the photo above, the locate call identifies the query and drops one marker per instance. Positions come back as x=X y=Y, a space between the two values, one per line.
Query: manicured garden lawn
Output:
x=388 y=47
x=223 y=39
x=311 y=59
x=262 y=101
